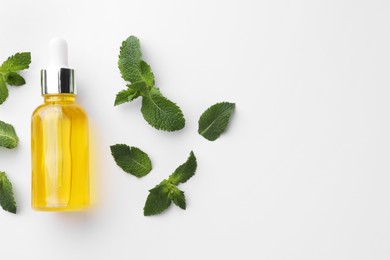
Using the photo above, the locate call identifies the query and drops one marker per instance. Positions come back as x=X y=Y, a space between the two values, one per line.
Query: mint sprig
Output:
x=214 y=121
x=161 y=196
x=9 y=72
x=157 y=110
x=7 y=201
x=131 y=159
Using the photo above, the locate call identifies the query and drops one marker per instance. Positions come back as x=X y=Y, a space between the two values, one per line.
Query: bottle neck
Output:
x=59 y=98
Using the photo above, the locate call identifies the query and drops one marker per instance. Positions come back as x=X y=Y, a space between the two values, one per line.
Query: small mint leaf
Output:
x=140 y=87
x=185 y=171
x=125 y=96
x=131 y=159
x=178 y=197
x=3 y=90
x=155 y=91
x=7 y=201
x=8 y=137
x=214 y=121
x=14 y=79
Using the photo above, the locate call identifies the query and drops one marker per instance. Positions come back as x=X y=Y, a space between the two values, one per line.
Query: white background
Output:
x=303 y=171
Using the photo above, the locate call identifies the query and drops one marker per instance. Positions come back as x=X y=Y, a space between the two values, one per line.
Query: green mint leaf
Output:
x=8 y=69
x=129 y=60
x=178 y=197
x=126 y=95
x=161 y=196
x=8 y=137
x=140 y=87
x=3 y=90
x=131 y=159
x=147 y=74
x=155 y=91
x=214 y=121
x=185 y=171
x=7 y=201
x=162 y=113
x=14 y=79
x=17 y=62
x=158 y=199
x=131 y=65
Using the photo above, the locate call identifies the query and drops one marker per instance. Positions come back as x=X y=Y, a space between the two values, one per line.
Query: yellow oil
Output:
x=60 y=155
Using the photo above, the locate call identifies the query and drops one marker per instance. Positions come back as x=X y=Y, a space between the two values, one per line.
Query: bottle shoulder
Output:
x=69 y=109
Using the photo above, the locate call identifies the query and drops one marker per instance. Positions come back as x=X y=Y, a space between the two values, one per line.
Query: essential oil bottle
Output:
x=59 y=139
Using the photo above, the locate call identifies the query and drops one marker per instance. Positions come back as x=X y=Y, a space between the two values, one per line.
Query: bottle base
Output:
x=59 y=209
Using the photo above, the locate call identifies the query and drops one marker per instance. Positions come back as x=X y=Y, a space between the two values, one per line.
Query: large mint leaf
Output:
x=131 y=65
x=162 y=113
x=129 y=60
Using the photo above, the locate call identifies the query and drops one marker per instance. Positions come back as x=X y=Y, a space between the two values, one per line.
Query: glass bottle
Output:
x=59 y=140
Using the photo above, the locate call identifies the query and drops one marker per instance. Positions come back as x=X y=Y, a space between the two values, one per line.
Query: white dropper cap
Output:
x=58 y=77
x=58 y=53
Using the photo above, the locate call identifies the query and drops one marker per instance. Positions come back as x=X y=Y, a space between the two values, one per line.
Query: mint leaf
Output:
x=161 y=196
x=178 y=197
x=132 y=92
x=131 y=66
x=155 y=91
x=7 y=201
x=8 y=72
x=185 y=171
x=157 y=200
x=17 y=62
x=140 y=87
x=147 y=74
x=14 y=79
x=8 y=137
x=129 y=60
x=131 y=159
x=162 y=113
x=126 y=95
x=214 y=121
x=3 y=90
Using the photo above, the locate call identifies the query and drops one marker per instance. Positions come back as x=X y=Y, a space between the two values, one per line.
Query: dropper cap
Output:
x=58 y=78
